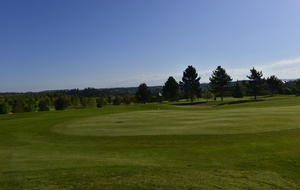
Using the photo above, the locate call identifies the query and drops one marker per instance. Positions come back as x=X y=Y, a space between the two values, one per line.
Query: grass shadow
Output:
x=218 y=103
x=189 y=103
x=239 y=102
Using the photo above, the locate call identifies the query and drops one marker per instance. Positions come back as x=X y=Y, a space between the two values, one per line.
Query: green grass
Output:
x=184 y=122
x=239 y=145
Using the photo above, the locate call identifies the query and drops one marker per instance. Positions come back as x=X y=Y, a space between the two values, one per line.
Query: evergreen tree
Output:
x=273 y=84
x=143 y=94
x=171 y=90
x=255 y=85
x=238 y=90
x=220 y=81
x=190 y=83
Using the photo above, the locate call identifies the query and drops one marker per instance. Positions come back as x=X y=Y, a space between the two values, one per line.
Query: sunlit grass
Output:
x=252 y=145
x=184 y=122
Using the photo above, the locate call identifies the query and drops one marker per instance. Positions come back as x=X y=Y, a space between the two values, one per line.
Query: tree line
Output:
x=221 y=85
x=59 y=101
x=189 y=88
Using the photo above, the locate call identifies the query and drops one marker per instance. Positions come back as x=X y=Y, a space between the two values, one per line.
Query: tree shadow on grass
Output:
x=239 y=102
x=218 y=103
x=189 y=103
x=267 y=96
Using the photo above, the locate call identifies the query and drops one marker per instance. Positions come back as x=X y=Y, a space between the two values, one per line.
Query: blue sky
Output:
x=65 y=44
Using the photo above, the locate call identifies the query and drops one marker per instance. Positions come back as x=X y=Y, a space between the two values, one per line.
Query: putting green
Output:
x=184 y=122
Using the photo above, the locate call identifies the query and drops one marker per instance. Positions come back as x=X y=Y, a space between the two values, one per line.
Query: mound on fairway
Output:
x=187 y=122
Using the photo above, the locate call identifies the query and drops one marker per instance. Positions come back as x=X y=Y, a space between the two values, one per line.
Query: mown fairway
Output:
x=252 y=145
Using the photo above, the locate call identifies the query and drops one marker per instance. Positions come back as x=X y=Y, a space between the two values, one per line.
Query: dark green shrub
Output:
x=17 y=107
x=4 y=108
x=117 y=101
x=61 y=104
x=101 y=102
x=43 y=106
x=287 y=91
x=238 y=90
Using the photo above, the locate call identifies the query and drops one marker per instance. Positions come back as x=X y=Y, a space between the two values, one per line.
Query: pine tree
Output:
x=171 y=90
x=273 y=84
x=190 y=83
x=256 y=82
x=238 y=90
x=143 y=94
x=220 y=81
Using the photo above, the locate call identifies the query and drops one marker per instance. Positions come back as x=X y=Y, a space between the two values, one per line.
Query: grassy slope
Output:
x=211 y=150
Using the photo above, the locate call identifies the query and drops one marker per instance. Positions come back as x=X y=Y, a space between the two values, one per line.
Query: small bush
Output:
x=61 y=104
x=4 y=108
x=208 y=95
x=101 y=102
x=17 y=107
x=43 y=106
x=117 y=101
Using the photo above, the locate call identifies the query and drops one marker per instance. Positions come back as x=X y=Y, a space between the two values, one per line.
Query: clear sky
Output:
x=65 y=44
